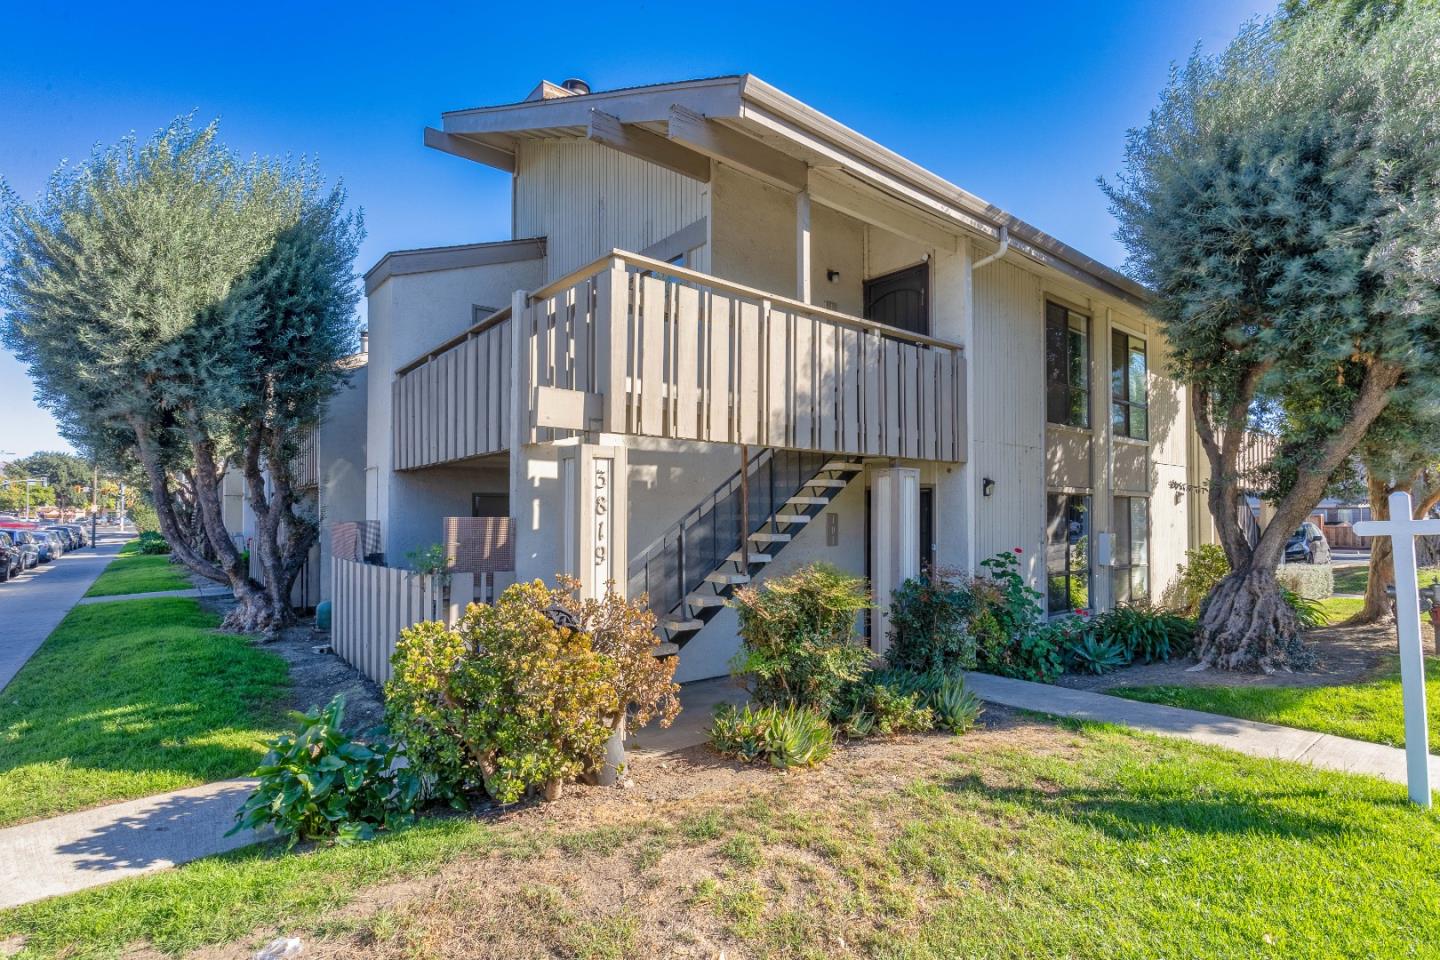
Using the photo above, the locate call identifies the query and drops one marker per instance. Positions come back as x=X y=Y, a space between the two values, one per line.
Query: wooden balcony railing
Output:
x=633 y=345
x=454 y=402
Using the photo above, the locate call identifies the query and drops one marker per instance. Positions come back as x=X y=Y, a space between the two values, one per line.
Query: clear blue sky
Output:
x=1023 y=103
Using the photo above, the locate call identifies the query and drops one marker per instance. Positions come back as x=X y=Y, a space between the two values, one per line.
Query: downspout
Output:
x=999 y=253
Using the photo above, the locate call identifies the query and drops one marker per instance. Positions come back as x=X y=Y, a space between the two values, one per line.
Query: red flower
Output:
x=1016 y=550
x=1081 y=612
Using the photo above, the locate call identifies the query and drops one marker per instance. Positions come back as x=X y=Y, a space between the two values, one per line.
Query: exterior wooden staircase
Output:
x=693 y=568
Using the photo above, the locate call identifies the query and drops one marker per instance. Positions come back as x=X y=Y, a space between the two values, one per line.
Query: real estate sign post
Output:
x=1402 y=529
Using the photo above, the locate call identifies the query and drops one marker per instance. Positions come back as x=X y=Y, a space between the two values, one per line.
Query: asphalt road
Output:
x=33 y=603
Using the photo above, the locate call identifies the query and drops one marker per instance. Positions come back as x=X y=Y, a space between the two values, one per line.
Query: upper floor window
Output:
x=1067 y=366
x=1129 y=395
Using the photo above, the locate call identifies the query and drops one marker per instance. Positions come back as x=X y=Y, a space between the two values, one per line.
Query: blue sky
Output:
x=1023 y=103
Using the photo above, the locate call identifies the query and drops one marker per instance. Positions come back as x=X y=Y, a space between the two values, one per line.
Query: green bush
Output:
x=508 y=700
x=1038 y=655
x=786 y=736
x=1313 y=581
x=320 y=784
x=1016 y=607
x=895 y=701
x=150 y=542
x=144 y=517
x=930 y=624
x=1142 y=633
x=1204 y=567
x=1310 y=613
x=797 y=637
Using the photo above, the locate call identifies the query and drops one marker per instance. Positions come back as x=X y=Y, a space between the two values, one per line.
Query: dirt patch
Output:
x=1343 y=655
x=317 y=677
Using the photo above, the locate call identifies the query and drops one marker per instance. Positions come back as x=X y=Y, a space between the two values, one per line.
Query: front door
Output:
x=901 y=299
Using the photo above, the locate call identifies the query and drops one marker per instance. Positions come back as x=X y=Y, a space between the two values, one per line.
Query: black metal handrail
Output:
x=699 y=543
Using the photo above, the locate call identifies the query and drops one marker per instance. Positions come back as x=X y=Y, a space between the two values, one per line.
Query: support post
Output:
x=894 y=542
x=744 y=522
x=802 y=246
x=596 y=516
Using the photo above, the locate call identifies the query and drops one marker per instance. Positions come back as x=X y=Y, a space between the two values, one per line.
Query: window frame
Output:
x=1125 y=547
x=1069 y=572
x=1123 y=404
x=1064 y=313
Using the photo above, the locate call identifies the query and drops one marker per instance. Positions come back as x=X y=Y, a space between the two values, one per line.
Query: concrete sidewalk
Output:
x=1243 y=736
x=33 y=603
x=190 y=592
x=93 y=847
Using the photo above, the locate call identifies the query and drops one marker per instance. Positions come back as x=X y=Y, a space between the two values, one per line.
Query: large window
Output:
x=1067 y=366
x=1067 y=552
x=1129 y=414
x=1131 y=572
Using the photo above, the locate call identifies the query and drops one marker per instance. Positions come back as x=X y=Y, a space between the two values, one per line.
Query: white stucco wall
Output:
x=341 y=453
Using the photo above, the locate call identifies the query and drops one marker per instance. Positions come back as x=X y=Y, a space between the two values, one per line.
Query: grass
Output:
x=133 y=698
x=1041 y=840
x=137 y=573
x=1352 y=578
x=1340 y=609
x=1370 y=711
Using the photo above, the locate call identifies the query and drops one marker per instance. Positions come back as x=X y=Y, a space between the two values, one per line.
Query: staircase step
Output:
x=705 y=600
x=790 y=518
x=753 y=558
x=809 y=501
x=677 y=625
x=843 y=465
x=830 y=482
x=665 y=650
x=765 y=537
x=728 y=579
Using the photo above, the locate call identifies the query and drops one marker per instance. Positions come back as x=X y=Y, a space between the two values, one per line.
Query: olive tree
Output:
x=190 y=307
x=1283 y=202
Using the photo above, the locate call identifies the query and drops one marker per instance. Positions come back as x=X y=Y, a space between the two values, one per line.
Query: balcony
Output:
x=631 y=345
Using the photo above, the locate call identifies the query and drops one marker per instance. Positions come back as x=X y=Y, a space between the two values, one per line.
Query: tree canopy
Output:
x=1283 y=202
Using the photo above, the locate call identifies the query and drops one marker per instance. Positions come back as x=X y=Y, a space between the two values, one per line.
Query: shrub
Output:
x=902 y=701
x=1313 y=581
x=1204 y=567
x=319 y=784
x=956 y=709
x=514 y=698
x=930 y=624
x=150 y=542
x=1310 y=613
x=1092 y=653
x=787 y=736
x=1015 y=607
x=797 y=637
x=1144 y=634
x=1037 y=655
x=144 y=517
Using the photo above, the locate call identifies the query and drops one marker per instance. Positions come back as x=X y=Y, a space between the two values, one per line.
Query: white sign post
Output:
x=1402 y=529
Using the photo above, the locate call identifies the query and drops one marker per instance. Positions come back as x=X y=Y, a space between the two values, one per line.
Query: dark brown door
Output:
x=901 y=299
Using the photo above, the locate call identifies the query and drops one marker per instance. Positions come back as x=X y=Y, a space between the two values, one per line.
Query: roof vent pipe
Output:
x=1000 y=252
x=365 y=342
x=576 y=86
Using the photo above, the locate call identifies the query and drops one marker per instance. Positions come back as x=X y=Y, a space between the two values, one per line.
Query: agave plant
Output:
x=956 y=709
x=1094 y=653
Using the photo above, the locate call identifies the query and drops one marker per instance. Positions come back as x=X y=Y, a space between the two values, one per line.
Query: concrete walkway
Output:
x=1243 y=736
x=189 y=592
x=93 y=847
x=33 y=603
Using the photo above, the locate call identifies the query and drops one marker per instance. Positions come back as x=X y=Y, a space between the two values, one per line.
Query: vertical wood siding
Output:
x=587 y=199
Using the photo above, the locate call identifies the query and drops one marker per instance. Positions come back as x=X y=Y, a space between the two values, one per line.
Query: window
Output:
x=1129 y=414
x=1067 y=366
x=1131 y=572
x=1067 y=552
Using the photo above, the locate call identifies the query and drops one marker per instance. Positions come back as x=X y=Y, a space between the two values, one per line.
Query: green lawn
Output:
x=1361 y=711
x=1034 y=841
x=1340 y=609
x=1352 y=578
x=131 y=698
x=138 y=573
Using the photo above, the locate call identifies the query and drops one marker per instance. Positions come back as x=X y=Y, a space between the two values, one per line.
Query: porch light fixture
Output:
x=987 y=487
x=832 y=275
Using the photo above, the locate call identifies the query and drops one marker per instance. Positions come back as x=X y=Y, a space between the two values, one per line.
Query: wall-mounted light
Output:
x=832 y=275
x=987 y=487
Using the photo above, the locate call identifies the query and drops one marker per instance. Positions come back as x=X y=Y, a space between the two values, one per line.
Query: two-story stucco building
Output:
x=730 y=336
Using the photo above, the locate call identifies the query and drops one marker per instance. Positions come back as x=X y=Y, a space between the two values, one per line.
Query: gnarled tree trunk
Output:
x=1249 y=626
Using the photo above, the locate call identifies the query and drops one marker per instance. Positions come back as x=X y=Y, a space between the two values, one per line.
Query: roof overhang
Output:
x=429 y=259
x=745 y=122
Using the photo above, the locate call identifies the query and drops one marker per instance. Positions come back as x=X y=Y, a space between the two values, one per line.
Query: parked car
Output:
x=12 y=558
x=82 y=535
x=66 y=535
x=57 y=543
x=1307 y=545
x=34 y=550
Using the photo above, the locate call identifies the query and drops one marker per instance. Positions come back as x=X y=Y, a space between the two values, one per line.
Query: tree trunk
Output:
x=160 y=495
x=1247 y=625
x=1377 y=606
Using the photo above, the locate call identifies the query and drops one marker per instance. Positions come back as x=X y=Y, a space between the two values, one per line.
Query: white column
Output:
x=894 y=542
x=596 y=516
x=802 y=246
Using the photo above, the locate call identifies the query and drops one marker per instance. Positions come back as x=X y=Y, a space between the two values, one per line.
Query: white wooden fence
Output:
x=370 y=605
